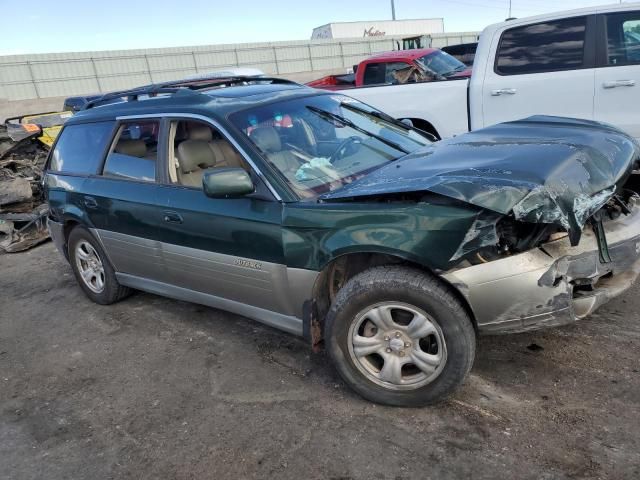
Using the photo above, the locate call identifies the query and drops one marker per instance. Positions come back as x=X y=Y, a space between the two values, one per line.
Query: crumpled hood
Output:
x=542 y=169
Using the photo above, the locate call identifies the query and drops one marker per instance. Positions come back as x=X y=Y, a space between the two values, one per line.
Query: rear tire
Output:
x=398 y=336
x=92 y=269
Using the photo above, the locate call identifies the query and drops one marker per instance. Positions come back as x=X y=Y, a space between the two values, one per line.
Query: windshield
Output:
x=441 y=63
x=320 y=143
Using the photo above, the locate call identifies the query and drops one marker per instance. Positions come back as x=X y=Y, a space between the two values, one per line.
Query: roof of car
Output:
x=218 y=101
x=412 y=54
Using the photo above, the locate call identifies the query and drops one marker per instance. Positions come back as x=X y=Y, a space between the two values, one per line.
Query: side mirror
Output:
x=407 y=121
x=226 y=183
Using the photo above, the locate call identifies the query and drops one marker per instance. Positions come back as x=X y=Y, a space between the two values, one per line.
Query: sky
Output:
x=38 y=26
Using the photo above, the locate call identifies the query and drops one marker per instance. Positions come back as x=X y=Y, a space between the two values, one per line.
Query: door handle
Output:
x=503 y=91
x=172 y=217
x=619 y=83
x=90 y=202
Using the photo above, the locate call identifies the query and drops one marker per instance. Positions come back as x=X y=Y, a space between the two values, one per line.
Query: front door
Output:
x=229 y=248
x=618 y=76
x=541 y=69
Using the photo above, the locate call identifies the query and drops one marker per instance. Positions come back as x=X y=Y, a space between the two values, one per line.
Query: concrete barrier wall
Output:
x=15 y=108
x=25 y=77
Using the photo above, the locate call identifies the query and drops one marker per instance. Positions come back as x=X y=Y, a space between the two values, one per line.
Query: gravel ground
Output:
x=155 y=388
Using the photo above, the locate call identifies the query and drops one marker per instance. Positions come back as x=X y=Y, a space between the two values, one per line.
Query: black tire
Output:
x=422 y=291
x=112 y=291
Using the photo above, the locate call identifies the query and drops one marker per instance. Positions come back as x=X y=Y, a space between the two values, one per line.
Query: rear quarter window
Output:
x=80 y=148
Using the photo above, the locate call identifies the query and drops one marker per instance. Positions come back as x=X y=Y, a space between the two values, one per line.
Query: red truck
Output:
x=403 y=66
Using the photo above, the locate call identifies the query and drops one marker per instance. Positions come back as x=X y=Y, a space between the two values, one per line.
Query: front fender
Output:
x=426 y=234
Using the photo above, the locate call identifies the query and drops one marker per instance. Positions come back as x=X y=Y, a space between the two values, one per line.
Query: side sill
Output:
x=277 y=320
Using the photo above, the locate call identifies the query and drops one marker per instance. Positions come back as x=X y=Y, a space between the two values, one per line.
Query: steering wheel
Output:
x=343 y=148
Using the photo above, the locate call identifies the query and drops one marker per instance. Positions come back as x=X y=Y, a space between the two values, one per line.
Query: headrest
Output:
x=133 y=148
x=200 y=132
x=195 y=155
x=267 y=139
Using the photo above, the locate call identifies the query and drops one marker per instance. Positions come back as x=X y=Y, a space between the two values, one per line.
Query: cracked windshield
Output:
x=319 y=144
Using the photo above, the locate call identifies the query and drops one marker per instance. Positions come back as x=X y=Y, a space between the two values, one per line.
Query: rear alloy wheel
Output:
x=399 y=336
x=92 y=269
x=89 y=266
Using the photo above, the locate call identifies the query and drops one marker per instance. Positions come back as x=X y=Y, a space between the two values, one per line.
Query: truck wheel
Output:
x=399 y=337
x=92 y=269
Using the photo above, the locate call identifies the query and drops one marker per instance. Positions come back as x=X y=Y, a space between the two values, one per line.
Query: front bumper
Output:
x=552 y=285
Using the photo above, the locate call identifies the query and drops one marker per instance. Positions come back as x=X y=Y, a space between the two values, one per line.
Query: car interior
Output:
x=135 y=153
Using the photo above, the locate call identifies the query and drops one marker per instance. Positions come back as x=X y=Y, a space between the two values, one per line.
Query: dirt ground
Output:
x=155 y=388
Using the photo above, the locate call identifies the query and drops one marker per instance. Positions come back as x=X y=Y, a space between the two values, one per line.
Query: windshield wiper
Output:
x=348 y=123
x=390 y=119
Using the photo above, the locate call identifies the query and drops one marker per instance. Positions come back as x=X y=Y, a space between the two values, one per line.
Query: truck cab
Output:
x=410 y=66
x=583 y=63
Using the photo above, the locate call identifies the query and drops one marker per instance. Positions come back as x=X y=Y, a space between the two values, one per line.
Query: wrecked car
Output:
x=23 y=212
x=321 y=216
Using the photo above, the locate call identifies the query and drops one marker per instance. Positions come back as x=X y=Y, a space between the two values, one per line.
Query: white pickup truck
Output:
x=582 y=63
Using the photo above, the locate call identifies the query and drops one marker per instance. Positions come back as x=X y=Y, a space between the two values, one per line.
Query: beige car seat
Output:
x=194 y=156
x=268 y=140
x=132 y=148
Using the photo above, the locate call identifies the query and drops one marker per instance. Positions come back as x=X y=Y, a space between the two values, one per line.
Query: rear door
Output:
x=618 y=77
x=122 y=200
x=544 y=68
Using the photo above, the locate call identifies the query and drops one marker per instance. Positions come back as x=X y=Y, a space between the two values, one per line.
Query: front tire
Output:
x=398 y=336
x=92 y=269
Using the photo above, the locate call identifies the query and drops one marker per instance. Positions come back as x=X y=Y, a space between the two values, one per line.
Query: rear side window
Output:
x=373 y=74
x=134 y=153
x=543 y=47
x=80 y=148
x=623 y=38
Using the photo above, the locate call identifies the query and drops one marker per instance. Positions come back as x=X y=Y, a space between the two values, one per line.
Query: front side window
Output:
x=321 y=143
x=80 y=148
x=195 y=147
x=543 y=47
x=623 y=38
x=134 y=153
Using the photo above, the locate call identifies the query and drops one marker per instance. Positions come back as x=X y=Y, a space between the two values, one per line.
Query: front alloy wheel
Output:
x=400 y=336
x=397 y=346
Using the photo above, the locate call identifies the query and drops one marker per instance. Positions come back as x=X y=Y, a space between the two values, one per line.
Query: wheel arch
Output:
x=335 y=273
x=425 y=125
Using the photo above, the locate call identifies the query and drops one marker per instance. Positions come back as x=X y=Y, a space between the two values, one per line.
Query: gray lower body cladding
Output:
x=268 y=292
x=552 y=285
x=56 y=232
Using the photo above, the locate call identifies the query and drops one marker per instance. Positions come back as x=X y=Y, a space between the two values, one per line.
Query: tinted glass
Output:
x=80 y=147
x=542 y=47
x=135 y=153
x=623 y=38
x=374 y=74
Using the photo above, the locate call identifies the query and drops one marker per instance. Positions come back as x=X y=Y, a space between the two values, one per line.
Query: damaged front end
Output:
x=557 y=229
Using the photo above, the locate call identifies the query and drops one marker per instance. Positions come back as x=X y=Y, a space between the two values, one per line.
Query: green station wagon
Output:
x=321 y=216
